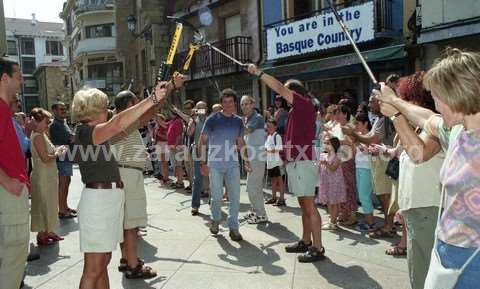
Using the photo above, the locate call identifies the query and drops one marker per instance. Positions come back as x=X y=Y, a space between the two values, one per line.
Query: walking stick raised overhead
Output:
x=164 y=70
x=357 y=51
x=225 y=54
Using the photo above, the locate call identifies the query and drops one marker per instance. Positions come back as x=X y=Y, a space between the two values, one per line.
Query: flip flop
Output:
x=396 y=251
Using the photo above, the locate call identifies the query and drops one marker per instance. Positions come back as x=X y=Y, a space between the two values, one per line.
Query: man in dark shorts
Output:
x=60 y=134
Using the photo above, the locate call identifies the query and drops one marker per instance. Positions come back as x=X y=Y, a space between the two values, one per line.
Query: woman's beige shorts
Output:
x=382 y=184
x=100 y=217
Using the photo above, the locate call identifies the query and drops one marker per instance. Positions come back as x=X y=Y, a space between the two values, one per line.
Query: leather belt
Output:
x=105 y=186
x=130 y=167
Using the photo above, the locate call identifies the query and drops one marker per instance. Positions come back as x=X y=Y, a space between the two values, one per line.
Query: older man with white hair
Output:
x=255 y=140
x=200 y=114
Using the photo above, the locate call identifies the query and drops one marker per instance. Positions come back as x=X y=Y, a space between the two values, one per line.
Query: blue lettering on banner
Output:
x=297 y=46
x=283 y=31
x=321 y=32
x=338 y=37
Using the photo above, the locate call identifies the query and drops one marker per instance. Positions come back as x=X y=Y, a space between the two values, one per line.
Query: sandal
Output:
x=46 y=241
x=55 y=237
x=380 y=233
x=72 y=211
x=140 y=272
x=67 y=215
x=124 y=264
x=329 y=226
x=271 y=201
x=396 y=251
x=280 y=203
x=177 y=186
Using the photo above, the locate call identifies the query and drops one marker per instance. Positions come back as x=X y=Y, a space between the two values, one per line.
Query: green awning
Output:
x=381 y=54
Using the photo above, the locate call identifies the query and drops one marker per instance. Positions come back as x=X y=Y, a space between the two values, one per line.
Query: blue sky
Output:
x=45 y=10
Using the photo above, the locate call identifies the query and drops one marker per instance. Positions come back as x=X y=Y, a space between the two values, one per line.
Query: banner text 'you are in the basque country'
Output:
x=321 y=32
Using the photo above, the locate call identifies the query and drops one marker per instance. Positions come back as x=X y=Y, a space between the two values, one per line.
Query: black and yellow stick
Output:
x=188 y=59
x=164 y=70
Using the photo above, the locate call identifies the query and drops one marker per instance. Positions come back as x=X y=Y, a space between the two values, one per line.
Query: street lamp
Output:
x=132 y=27
x=131 y=23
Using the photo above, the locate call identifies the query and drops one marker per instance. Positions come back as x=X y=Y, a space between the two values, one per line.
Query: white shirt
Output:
x=274 y=141
x=419 y=184
x=362 y=159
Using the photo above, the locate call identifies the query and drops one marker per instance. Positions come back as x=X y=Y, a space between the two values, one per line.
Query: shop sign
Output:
x=321 y=32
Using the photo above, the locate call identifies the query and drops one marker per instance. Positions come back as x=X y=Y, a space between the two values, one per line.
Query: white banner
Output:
x=321 y=32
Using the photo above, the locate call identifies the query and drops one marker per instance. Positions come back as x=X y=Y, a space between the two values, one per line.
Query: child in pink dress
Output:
x=332 y=190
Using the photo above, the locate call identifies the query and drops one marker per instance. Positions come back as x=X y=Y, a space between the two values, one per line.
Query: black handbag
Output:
x=393 y=168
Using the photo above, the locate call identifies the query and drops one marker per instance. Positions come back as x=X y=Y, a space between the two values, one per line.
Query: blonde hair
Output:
x=40 y=114
x=87 y=103
x=455 y=80
x=249 y=98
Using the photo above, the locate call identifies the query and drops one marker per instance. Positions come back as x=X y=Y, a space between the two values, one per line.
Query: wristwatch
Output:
x=393 y=117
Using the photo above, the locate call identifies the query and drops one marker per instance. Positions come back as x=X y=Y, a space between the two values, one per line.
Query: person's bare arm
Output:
x=272 y=83
x=418 y=149
x=41 y=148
x=186 y=118
x=11 y=185
x=415 y=114
x=119 y=122
x=147 y=116
x=243 y=152
x=367 y=139
x=202 y=153
x=191 y=127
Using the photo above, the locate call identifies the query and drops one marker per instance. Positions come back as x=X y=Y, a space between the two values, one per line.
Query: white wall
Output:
x=437 y=12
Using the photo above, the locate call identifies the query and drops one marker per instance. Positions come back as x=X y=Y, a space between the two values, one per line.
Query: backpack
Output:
x=282 y=151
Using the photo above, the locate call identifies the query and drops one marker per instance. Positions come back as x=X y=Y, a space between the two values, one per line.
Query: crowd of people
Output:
x=411 y=151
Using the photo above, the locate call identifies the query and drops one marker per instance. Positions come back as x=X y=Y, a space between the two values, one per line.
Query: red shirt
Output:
x=161 y=133
x=12 y=160
x=300 y=131
x=175 y=130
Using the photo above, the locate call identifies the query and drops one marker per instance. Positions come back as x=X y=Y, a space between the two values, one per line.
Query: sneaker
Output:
x=257 y=219
x=299 y=247
x=247 y=217
x=235 y=235
x=214 y=227
x=312 y=255
x=329 y=226
x=363 y=227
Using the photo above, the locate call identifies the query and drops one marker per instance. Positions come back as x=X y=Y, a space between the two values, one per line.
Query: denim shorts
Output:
x=454 y=257
x=64 y=168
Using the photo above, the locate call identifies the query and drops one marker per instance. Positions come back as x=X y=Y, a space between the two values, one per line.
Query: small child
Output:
x=332 y=190
x=364 y=175
x=273 y=146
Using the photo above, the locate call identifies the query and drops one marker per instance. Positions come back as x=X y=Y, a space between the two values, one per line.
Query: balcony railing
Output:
x=92 y=45
x=82 y=6
x=207 y=62
x=383 y=14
